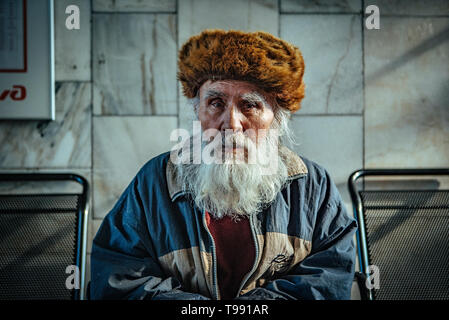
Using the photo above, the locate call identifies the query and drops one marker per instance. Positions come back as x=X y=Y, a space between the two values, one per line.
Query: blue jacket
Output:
x=154 y=243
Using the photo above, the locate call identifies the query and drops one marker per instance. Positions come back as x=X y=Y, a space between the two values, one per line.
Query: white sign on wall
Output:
x=26 y=59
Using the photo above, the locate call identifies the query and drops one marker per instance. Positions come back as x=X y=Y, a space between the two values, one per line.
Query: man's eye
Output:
x=250 y=105
x=216 y=103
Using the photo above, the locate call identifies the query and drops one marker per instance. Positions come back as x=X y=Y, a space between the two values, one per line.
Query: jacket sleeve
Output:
x=328 y=271
x=124 y=264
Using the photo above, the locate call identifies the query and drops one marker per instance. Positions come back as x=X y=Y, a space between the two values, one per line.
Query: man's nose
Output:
x=232 y=119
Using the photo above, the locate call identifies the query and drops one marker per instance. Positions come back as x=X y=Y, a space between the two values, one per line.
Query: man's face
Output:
x=237 y=186
x=235 y=105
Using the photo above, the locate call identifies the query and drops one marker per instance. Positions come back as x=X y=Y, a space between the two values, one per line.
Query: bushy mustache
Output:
x=233 y=140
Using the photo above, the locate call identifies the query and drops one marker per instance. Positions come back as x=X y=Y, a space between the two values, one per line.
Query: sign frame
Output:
x=27 y=92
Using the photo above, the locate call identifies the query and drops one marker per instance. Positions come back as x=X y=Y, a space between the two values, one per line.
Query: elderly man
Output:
x=223 y=224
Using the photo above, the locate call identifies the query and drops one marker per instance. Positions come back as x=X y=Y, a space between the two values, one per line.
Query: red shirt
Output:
x=235 y=252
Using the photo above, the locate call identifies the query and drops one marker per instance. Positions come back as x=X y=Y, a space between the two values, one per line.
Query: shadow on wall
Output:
x=408 y=56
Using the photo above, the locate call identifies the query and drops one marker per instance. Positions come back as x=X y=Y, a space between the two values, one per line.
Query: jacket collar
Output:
x=295 y=167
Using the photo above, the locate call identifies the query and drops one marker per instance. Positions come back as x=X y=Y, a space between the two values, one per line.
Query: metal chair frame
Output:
x=83 y=215
x=362 y=244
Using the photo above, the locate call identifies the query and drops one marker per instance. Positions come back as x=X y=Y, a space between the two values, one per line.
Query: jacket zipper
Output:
x=256 y=246
x=214 y=259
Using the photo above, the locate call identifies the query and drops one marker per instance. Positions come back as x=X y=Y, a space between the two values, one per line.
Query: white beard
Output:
x=236 y=188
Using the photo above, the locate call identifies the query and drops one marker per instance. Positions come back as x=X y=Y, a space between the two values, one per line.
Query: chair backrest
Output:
x=43 y=237
x=404 y=233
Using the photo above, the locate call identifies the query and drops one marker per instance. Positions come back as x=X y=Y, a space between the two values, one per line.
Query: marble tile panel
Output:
x=334 y=142
x=328 y=6
x=414 y=7
x=134 y=5
x=332 y=49
x=72 y=47
x=248 y=15
x=122 y=145
x=134 y=64
x=407 y=93
x=355 y=291
x=186 y=113
x=93 y=229
x=65 y=142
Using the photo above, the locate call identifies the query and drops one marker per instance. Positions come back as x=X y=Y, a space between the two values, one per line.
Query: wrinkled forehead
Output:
x=232 y=89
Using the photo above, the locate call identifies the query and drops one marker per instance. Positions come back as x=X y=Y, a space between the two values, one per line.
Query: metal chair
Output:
x=403 y=232
x=43 y=237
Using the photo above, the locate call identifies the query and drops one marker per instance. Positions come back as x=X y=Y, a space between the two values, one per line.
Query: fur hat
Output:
x=273 y=64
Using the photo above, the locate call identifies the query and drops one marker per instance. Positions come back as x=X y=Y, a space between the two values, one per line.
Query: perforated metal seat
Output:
x=40 y=236
x=405 y=234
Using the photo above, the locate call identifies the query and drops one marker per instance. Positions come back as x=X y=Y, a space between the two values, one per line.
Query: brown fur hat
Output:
x=274 y=65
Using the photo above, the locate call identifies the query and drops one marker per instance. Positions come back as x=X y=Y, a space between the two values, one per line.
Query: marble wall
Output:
x=374 y=98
